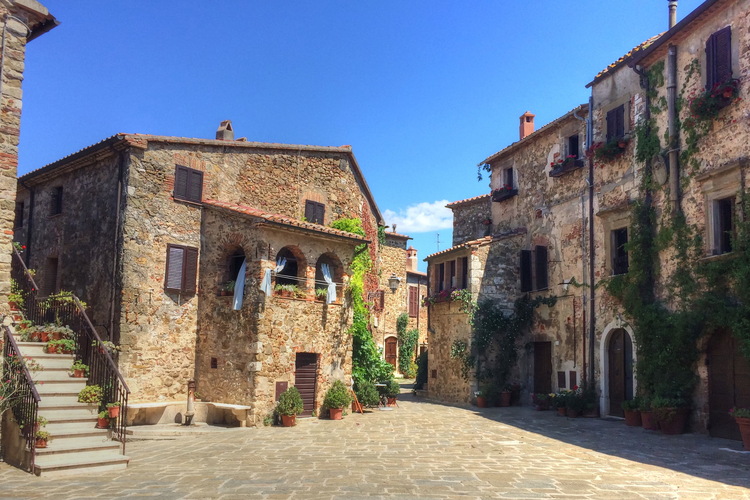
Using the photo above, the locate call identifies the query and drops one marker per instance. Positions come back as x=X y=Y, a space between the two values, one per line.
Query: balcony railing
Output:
x=503 y=194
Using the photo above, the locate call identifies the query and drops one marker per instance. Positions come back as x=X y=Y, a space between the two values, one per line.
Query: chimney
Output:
x=225 y=132
x=411 y=259
x=527 y=124
x=672 y=13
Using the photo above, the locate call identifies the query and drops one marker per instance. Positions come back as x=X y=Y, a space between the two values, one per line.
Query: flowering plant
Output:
x=610 y=150
x=707 y=104
x=737 y=412
x=563 y=161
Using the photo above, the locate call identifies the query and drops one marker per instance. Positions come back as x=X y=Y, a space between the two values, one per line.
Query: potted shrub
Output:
x=80 y=369
x=648 y=417
x=41 y=438
x=541 y=401
x=392 y=390
x=90 y=394
x=52 y=346
x=367 y=394
x=336 y=399
x=671 y=414
x=102 y=420
x=560 y=401
x=575 y=402
x=113 y=409
x=66 y=346
x=289 y=406
x=632 y=411
x=287 y=290
x=742 y=417
x=321 y=294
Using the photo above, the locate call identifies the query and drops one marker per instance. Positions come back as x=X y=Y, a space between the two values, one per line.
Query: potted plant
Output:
x=742 y=417
x=321 y=293
x=289 y=406
x=113 y=409
x=66 y=346
x=227 y=288
x=671 y=414
x=541 y=401
x=648 y=417
x=560 y=401
x=102 y=420
x=631 y=408
x=15 y=298
x=287 y=290
x=367 y=394
x=79 y=369
x=575 y=402
x=41 y=438
x=336 y=399
x=90 y=394
x=392 y=390
x=106 y=345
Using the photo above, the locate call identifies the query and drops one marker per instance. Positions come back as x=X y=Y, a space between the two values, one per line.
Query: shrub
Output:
x=90 y=394
x=337 y=396
x=366 y=393
x=290 y=402
x=421 y=371
x=392 y=389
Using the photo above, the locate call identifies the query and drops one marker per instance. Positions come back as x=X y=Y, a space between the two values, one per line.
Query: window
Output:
x=413 y=301
x=619 y=238
x=315 y=212
x=464 y=272
x=188 y=184
x=336 y=273
x=616 y=123
x=56 y=201
x=723 y=225
x=182 y=269
x=452 y=268
x=534 y=272
x=719 y=57
x=441 y=277
x=508 y=178
x=18 y=221
x=289 y=274
x=573 y=146
x=51 y=282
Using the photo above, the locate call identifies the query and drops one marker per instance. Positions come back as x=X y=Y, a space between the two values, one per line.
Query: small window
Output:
x=452 y=269
x=182 y=269
x=413 y=301
x=534 y=269
x=315 y=212
x=526 y=270
x=508 y=178
x=619 y=239
x=464 y=272
x=188 y=184
x=719 y=57
x=542 y=279
x=18 y=221
x=441 y=277
x=723 y=225
x=616 y=123
x=51 y=278
x=573 y=146
x=56 y=201
x=294 y=267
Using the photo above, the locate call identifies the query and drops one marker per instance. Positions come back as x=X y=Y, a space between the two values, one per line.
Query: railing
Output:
x=66 y=309
x=25 y=397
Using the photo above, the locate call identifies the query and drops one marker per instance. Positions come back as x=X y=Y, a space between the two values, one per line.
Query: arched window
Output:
x=234 y=263
x=328 y=270
x=292 y=266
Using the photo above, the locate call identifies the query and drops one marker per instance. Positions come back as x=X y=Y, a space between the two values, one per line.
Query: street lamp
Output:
x=393 y=282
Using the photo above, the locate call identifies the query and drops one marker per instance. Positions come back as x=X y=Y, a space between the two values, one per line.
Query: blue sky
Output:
x=422 y=91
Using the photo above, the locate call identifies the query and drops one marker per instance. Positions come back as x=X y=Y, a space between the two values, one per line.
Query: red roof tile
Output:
x=469 y=201
x=472 y=243
x=621 y=61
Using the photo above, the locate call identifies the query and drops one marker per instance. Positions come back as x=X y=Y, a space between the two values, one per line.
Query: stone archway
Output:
x=616 y=330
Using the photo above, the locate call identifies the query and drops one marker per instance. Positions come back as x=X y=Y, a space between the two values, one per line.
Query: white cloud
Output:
x=421 y=218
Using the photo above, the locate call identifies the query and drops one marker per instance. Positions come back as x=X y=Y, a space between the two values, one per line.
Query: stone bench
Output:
x=170 y=412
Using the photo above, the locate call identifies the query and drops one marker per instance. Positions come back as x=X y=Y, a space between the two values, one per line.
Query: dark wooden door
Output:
x=728 y=384
x=391 y=346
x=543 y=367
x=620 y=371
x=305 y=379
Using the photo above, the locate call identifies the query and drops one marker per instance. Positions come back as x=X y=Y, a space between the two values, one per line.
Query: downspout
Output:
x=115 y=247
x=673 y=140
x=30 y=225
x=592 y=250
x=583 y=256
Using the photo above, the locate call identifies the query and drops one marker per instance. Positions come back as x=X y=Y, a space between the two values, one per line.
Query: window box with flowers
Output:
x=560 y=167
x=505 y=192
x=706 y=105
x=610 y=150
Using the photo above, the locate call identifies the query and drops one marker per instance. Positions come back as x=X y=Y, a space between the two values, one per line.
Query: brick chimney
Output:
x=672 y=13
x=527 y=124
x=225 y=132
x=411 y=259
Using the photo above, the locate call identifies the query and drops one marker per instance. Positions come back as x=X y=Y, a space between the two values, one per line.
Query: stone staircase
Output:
x=75 y=443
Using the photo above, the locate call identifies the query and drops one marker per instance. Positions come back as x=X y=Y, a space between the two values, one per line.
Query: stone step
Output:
x=55 y=374
x=79 y=463
x=36 y=349
x=48 y=388
x=68 y=430
x=59 y=401
x=52 y=362
x=76 y=445
x=65 y=415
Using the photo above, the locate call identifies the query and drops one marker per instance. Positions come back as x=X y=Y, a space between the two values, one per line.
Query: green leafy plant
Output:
x=631 y=404
x=337 y=396
x=610 y=150
x=706 y=105
x=290 y=402
x=116 y=404
x=80 y=365
x=90 y=394
x=422 y=367
x=42 y=435
x=738 y=412
x=229 y=286
x=392 y=389
x=367 y=393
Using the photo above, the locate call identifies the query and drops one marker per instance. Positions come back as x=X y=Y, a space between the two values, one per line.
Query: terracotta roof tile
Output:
x=283 y=219
x=469 y=201
x=467 y=244
x=632 y=53
x=397 y=235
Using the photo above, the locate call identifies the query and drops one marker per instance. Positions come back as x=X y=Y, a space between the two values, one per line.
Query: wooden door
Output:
x=620 y=373
x=728 y=384
x=305 y=379
x=391 y=347
x=543 y=367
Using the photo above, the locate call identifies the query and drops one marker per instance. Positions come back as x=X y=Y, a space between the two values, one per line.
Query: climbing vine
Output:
x=407 y=344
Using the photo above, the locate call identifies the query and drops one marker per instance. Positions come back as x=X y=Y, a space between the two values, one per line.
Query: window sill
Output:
x=189 y=202
x=718 y=257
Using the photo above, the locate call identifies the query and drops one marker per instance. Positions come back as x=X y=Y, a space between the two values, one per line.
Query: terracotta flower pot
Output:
x=744 y=425
x=391 y=402
x=673 y=420
x=41 y=443
x=648 y=421
x=562 y=411
x=481 y=402
x=13 y=305
x=44 y=336
x=288 y=420
x=78 y=373
x=102 y=423
x=632 y=418
x=335 y=413
x=51 y=349
x=505 y=398
x=114 y=411
x=571 y=413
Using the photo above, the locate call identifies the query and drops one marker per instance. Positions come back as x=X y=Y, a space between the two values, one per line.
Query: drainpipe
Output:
x=592 y=251
x=30 y=224
x=115 y=247
x=673 y=139
x=583 y=248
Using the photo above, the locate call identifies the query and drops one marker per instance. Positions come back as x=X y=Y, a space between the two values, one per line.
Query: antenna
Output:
x=438 y=241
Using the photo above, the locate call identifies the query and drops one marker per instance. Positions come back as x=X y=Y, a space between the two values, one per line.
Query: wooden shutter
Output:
x=188 y=184
x=314 y=212
x=175 y=259
x=190 y=274
x=616 y=123
x=464 y=272
x=619 y=254
x=441 y=276
x=719 y=57
x=413 y=301
x=525 y=270
x=542 y=280
x=180 y=182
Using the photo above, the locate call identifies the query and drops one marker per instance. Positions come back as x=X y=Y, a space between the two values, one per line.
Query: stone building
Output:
x=157 y=235
x=23 y=21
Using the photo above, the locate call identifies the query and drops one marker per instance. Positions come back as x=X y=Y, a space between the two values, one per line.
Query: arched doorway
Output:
x=620 y=371
x=391 y=348
x=728 y=383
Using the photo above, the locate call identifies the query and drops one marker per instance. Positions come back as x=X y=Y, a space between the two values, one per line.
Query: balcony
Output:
x=566 y=166
x=503 y=194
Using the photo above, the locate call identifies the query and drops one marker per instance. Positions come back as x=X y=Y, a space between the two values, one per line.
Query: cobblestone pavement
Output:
x=419 y=450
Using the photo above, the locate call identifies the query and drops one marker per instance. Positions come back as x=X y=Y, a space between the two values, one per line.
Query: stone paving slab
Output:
x=420 y=450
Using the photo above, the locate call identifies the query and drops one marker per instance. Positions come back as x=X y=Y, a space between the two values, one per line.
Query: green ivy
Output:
x=407 y=344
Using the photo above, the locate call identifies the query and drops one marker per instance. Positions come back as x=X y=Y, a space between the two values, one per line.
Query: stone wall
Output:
x=472 y=219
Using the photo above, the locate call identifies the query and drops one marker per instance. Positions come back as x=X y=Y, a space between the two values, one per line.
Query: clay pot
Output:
x=481 y=402
x=505 y=398
x=562 y=411
x=744 y=424
x=648 y=421
x=288 y=420
x=114 y=411
x=392 y=402
x=571 y=413
x=335 y=413
x=673 y=420
x=78 y=373
x=632 y=418
x=41 y=443
x=102 y=423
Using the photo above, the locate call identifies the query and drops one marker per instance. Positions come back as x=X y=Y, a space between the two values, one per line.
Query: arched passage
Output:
x=617 y=355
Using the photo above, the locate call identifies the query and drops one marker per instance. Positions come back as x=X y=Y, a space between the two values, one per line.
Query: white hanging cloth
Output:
x=265 y=285
x=331 y=295
x=239 y=286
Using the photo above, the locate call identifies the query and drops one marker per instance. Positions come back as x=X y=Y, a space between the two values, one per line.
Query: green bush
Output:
x=421 y=371
x=90 y=394
x=392 y=389
x=290 y=402
x=337 y=396
x=366 y=393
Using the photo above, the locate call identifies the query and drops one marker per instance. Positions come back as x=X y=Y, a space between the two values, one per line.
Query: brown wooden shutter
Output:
x=441 y=276
x=175 y=259
x=314 y=212
x=525 y=270
x=195 y=186
x=413 y=301
x=180 y=182
x=616 y=123
x=542 y=280
x=719 y=57
x=464 y=272
x=191 y=270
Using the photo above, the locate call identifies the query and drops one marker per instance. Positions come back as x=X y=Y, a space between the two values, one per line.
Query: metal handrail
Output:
x=90 y=348
x=26 y=407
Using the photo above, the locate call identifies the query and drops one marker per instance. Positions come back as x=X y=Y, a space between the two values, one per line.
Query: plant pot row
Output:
x=668 y=420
